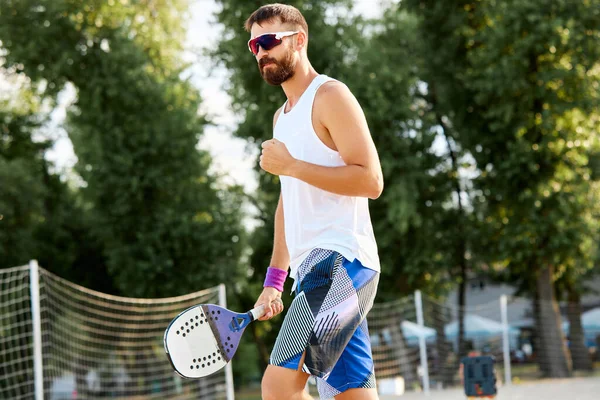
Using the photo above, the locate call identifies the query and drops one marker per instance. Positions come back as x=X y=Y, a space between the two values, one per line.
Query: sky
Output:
x=230 y=155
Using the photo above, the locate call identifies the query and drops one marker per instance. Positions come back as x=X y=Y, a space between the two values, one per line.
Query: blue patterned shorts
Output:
x=327 y=321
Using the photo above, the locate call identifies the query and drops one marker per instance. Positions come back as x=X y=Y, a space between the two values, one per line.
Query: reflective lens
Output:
x=266 y=41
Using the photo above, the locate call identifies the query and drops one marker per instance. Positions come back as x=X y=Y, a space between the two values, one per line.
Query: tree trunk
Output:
x=462 y=304
x=551 y=340
x=461 y=239
x=582 y=360
x=541 y=357
x=403 y=354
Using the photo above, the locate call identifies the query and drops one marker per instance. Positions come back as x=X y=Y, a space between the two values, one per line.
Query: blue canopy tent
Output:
x=481 y=331
x=590 y=320
x=411 y=332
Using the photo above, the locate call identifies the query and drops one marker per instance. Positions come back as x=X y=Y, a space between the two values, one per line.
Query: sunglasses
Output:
x=268 y=40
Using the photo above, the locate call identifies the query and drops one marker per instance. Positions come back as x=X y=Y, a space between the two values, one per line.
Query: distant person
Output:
x=527 y=349
x=461 y=368
x=328 y=166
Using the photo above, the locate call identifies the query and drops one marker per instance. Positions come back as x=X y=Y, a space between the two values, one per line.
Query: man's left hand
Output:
x=275 y=158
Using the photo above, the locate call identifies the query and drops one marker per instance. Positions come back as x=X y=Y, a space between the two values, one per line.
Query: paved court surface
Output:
x=564 y=389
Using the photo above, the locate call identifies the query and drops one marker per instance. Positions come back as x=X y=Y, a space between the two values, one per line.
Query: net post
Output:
x=228 y=370
x=36 y=320
x=505 y=339
x=422 y=344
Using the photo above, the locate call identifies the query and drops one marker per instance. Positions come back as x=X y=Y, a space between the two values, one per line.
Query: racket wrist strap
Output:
x=275 y=278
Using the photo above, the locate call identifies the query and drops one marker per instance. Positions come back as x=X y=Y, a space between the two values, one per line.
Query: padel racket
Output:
x=203 y=339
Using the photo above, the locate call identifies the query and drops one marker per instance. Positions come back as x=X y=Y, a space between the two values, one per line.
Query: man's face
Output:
x=278 y=64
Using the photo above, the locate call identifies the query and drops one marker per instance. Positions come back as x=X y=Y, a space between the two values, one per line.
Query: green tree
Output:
x=21 y=178
x=36 y=210
x=519 y=82
x=166 y=226
x=423 y=226
x=42 y=217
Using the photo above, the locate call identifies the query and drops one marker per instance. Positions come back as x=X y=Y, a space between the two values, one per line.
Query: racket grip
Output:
x=259 y=311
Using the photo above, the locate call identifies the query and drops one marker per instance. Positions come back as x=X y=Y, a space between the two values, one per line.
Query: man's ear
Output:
x=301 y=40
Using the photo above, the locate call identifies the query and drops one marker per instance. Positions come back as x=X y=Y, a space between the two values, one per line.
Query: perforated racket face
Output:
x=199 y=342
x=191 y=345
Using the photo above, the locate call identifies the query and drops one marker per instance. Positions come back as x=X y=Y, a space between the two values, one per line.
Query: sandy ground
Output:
x=567 y=389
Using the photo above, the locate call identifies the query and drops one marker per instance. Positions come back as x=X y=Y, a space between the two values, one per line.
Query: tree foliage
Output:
x=165 y=225
x=519 y=83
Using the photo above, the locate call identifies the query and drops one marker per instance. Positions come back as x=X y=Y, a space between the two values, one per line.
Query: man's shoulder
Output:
x=331 y=92
x=332 y=87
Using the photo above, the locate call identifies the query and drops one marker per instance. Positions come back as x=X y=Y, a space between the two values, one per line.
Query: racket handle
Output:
x=259 y=311
x=241 y=321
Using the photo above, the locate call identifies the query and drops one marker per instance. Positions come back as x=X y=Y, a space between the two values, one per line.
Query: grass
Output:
x=253 y=394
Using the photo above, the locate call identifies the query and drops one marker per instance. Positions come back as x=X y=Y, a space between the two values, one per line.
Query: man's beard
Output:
x=278 y=73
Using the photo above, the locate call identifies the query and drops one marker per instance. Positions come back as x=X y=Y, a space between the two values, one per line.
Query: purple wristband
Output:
x=275 y=278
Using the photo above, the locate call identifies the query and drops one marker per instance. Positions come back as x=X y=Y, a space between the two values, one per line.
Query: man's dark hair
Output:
x=271 y=12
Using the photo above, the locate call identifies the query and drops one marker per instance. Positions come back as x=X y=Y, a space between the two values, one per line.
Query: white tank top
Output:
x=315 y=218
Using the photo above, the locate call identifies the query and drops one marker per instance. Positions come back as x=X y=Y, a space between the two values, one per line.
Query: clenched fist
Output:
x=275 y=158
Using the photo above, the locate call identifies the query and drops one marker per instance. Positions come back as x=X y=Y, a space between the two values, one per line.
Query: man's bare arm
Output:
x=281 y=256
x=279 y=259
x=344 y=119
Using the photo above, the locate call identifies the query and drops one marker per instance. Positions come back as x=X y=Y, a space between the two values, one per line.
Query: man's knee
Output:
x=269 y=388
x=279 y=383
x=358 y=394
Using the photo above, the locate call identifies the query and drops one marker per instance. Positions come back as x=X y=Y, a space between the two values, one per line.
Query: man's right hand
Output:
x=268 y=297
